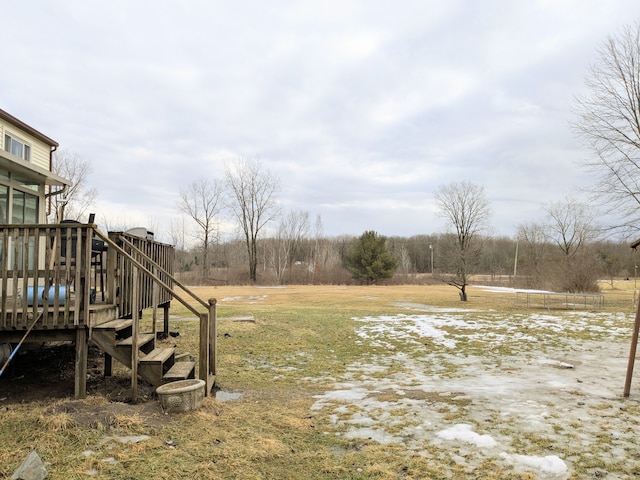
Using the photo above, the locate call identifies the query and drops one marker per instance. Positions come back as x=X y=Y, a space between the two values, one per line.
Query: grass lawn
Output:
x=335 y=382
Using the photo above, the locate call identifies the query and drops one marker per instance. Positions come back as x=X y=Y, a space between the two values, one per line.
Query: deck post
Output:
x=632 y=353
x=165 y=329
x=108 y=364
x=203 y=351
x=134 y=334
x=213 y=336
x=82 y=351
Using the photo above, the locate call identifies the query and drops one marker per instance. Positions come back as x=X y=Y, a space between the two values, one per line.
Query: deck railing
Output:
x=120 y=280
x=44 y=276
x=46 y=282
x=144 y=277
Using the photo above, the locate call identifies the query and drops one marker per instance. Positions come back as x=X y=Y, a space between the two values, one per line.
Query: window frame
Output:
x=29 y=196
x=25 y=147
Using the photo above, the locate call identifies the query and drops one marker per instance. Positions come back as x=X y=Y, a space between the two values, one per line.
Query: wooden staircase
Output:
x=157 y=365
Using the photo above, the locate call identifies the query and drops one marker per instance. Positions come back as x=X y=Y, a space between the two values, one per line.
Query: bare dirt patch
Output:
x=45 y=373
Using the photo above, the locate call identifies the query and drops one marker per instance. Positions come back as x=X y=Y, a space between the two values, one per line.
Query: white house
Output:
x=26 y=177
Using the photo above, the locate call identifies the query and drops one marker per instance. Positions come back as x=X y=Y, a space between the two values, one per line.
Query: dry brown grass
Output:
x=270 y=432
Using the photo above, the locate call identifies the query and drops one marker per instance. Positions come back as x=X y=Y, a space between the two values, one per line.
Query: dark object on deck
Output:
x=98 y=247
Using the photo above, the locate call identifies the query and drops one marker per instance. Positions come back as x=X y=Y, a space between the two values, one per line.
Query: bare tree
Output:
x=608 y=119
x=464 y=206
x=177 y=236
x=572 y=228
x=202 y=202
x=292 y=230
x=571 y=225
x=532 y=242
x=315 y=253
x=75 y=200
x=252 y=200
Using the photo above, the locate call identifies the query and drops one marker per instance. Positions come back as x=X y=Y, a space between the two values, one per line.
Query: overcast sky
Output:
x=362 y=109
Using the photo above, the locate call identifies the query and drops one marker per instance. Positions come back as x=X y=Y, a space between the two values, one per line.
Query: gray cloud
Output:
x=362 y=109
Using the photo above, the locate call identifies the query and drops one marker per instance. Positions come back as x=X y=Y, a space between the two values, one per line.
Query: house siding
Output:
x=40 y=147
x=39 y=150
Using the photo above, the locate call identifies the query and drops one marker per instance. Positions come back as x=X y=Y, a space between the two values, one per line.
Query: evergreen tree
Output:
x=369 y=260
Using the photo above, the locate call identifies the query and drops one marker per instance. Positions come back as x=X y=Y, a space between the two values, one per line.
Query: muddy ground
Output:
x=45 y=373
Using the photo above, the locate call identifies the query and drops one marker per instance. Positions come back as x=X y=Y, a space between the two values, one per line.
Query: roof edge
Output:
x=20 y=124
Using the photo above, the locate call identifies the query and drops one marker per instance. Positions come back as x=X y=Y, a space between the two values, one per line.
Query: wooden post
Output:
x=213 y=336
x=203 y=354
x=108 y=364
x=81 y=363
x=634 y=340
x=155 y=295
x=165 y=329
x=632 y=353
x=112 y=274
x=135 y=315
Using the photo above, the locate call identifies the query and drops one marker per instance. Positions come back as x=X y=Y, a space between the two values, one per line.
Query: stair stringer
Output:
x=156 y=365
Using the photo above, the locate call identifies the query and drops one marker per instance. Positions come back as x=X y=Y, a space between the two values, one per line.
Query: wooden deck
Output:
x=40 y=267
x=63 y=282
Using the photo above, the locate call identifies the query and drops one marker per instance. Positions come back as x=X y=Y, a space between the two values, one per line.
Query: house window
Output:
x=25 y=183
x=17 y=147
x=24 y=208
x=4 y=203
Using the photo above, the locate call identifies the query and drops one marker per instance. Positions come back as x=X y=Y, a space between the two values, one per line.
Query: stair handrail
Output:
x=165 y=272
x=139 y=264
x=208 y=328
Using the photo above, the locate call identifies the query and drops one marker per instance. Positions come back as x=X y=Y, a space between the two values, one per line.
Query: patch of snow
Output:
x=344 y=396
x=554 y=363
x=406 y=393
x=377 y=435
x=430 y=308
x=464 y=433
x=250 y=298
x=125 y=439
x=550 y=464
x=496 y=289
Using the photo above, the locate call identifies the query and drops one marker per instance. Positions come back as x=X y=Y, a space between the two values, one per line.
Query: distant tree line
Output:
x=566 y=252
x=523 y=262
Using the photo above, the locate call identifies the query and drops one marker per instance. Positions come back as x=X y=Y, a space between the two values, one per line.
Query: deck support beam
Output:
x=82 y=352
x=108 y=364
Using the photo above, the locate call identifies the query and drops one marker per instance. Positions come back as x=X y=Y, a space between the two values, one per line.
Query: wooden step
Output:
x=146 y=342
x=103 y=313
x=155 y=364
x=180 y=371
x=158 y=356
x=118 y=324
x=109 y=334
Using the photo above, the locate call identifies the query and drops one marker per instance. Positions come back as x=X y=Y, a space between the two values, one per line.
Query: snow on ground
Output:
x=493 y=288
x=249 y=298
x=533 y=392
